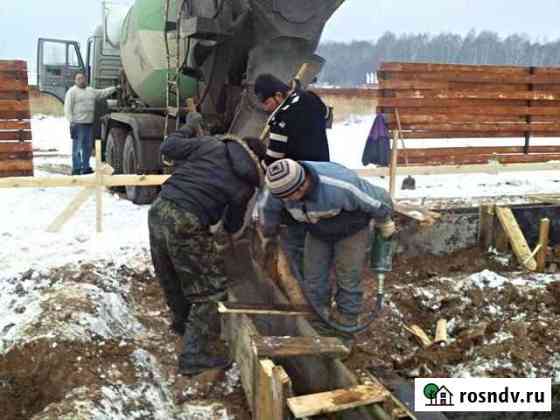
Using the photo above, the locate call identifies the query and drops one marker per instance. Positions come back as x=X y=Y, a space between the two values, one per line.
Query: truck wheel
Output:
x=114 y=152
x=138 y=195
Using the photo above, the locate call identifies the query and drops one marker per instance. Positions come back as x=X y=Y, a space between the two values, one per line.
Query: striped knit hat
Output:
x=284 y=177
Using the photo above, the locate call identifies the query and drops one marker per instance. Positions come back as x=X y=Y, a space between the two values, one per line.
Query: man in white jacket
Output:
x=79 y=108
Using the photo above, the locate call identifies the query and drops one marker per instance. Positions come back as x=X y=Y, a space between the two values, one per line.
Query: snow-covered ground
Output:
x=69 y=310
x=26 y=213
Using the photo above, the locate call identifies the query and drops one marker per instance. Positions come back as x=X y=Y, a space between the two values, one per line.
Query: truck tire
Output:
x=114 y=148
x=138 y=195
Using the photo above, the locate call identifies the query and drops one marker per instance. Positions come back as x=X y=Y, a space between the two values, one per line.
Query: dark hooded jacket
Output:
x=212 y=178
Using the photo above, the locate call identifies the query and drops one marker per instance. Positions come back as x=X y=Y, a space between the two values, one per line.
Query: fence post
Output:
x=98 y=188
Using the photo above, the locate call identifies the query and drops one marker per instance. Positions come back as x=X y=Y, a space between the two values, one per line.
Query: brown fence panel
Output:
x=16 y=155
x=464 y=101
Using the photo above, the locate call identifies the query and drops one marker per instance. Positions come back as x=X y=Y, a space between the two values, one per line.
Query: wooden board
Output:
x=11 y=65
x=13 y=105
x=16 y=166
x=19 y=135
x=16 y=95
x=463 y=109
x=483 y=159
x=274 y=347
x=516 y=238
x=15 y=125
x=337 y=400
x=15 y=115
x=16 y=147
x=262 y=309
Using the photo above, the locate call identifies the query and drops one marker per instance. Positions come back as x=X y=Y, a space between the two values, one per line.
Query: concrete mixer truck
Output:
x=163 y=52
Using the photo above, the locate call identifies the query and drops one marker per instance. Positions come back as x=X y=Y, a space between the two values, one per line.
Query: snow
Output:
x=347 y=141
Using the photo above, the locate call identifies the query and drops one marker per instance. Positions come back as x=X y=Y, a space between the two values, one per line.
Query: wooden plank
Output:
x=266 y=406
x=16 y=165
x=410 y=135
x=19 y=135
x=472 y=150
x=282 y=389
x=437 y=67
x=274 y=347
x=15 y=115
x=10 y=65
x=98 y=188
x=347 y=92
x=396 y=84
x=16 y=147
x=483 y=159
x=240 y=330
x=458 y=118
x=463 y=109
x=15 y=125
x=337 y=400
x=12 y=84
x=486 y=227
x=516 y=238
x=476 y=94
x=13 y=105
x=447 y=103
x=14 y=95
x=261 y=309
x=544 y=230
x=70 y=210
x=15 y=156
x=420 y=335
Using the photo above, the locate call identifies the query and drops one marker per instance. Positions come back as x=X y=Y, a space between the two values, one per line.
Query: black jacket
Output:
x=298 y=129
x=212 y=178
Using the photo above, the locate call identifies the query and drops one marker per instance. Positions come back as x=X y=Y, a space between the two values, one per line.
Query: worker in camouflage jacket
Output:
x=213 y=180
x=336 y=207
x=298 y=124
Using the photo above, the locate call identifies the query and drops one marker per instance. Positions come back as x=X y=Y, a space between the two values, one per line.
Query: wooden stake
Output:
x=98 y=188
x=69 y=211
x=544 y=230
x=420 y=335
x=486 y=227
x=441 y=332
x=393 y=167
x=516 y=238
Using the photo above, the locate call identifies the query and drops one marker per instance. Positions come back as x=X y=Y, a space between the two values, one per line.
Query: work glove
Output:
x=386 y=229
x=73 y=133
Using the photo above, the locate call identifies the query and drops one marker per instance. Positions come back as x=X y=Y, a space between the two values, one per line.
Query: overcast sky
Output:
x=23 y=21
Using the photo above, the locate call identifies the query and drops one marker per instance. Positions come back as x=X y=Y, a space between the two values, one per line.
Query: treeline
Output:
x=348 y=63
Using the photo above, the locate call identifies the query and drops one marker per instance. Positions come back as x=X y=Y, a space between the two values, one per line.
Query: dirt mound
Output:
x=93 y=341
x=500 y=323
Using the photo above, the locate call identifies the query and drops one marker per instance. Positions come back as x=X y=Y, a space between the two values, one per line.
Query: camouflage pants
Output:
x=189 y=265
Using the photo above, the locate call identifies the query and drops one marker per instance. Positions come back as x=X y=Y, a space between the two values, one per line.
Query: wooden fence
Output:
x=464 y=101
x=16 y=152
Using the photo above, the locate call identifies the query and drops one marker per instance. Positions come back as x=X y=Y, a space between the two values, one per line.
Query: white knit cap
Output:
x=284 y=177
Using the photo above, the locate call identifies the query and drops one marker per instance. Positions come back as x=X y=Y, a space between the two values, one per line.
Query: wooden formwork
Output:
x=287 y=369
x=427 y=101
x=16 y=152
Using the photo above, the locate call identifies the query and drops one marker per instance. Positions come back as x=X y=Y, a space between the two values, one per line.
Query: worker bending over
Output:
x=213 y=180
x=336 y=206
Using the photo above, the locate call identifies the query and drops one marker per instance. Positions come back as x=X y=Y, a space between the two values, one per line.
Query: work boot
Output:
x=194 y=364
x=196 y=357
x=346 y=320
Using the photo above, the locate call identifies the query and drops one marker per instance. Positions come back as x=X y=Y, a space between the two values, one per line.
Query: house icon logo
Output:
x=439 y=396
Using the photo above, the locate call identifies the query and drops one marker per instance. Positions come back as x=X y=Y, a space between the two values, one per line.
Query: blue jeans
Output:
x=348 y=256
x=82 y=142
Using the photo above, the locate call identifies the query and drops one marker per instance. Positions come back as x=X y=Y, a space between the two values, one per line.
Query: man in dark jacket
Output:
x=213 y=180
x=298 y=124
x=298 y=121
